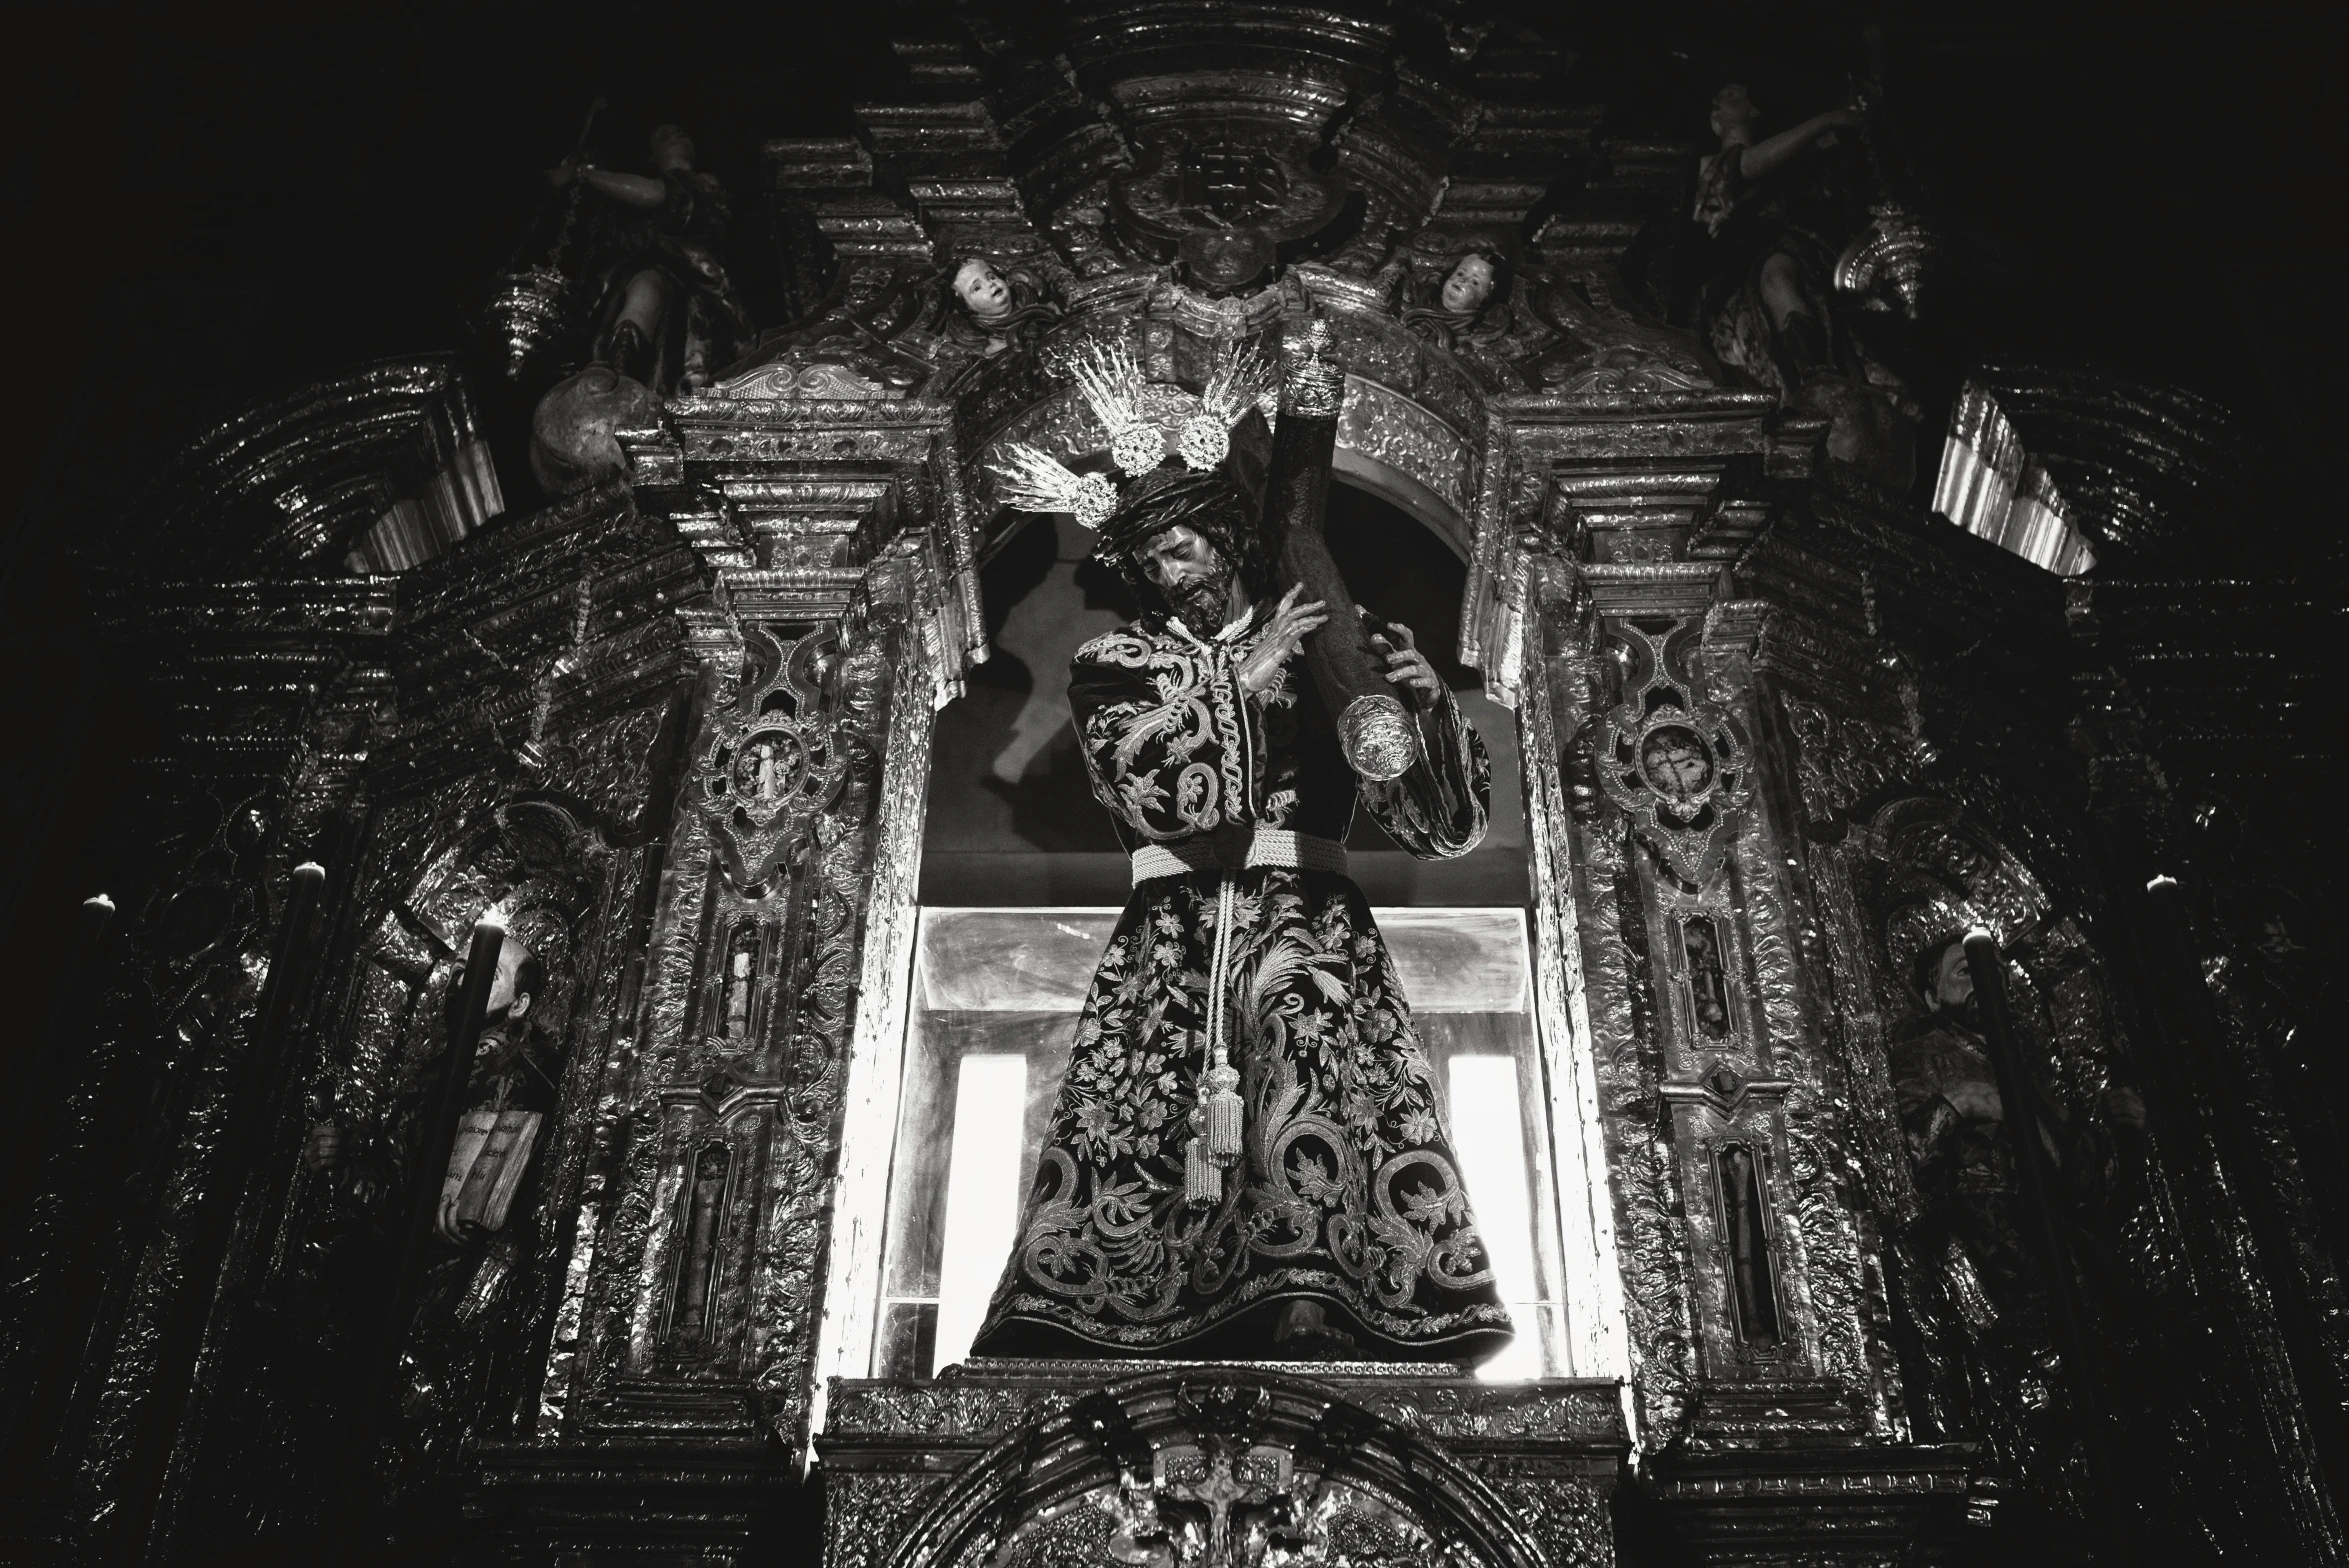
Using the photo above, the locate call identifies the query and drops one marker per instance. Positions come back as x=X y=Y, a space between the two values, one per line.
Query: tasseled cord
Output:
x=1202 y=1182
x=1222 y=1104
x=1216 y=1121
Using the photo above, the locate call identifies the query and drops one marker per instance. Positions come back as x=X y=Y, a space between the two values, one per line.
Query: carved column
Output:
x=1749 y=1290
x=705 y=1270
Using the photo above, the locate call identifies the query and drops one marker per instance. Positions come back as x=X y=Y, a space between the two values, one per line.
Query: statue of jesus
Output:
x=1249 y=1156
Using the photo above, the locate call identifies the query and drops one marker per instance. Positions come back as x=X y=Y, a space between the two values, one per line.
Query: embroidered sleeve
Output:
x=1437 y=809
x=1157 y=727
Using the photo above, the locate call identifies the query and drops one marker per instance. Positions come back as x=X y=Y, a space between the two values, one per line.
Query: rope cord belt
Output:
x=1266 y=847
x=1219 y=977
x=1216 y=1117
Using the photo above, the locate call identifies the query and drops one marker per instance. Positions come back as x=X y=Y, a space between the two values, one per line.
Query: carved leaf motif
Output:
x=1842 y=762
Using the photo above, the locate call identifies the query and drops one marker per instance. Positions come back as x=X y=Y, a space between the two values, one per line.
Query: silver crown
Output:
x=1140 y=419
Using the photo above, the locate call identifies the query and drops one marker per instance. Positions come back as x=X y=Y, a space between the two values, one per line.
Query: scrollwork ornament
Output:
x=1677 y=767
x=1312 y=383
x=774 y=767
x=1843 y=761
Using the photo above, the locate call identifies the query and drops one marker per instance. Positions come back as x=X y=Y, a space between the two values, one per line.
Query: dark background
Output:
x=213 y=205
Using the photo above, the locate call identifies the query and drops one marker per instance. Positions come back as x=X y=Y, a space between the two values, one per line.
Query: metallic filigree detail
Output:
x=770 y=770
x=1675 y=766
x=1565 y=1514
x=1609 y=951
x=1400 y=433
x=1894 y=256
x=1234 y=1467
x=1203 y=443
x=1031 y=480
x=1141 y=420
x=1312 y=384
x=1112 y=384
x=1949 y=875
x=1378 y=738
x=861 y=1511
x=1238 y=382
x=1842 y=761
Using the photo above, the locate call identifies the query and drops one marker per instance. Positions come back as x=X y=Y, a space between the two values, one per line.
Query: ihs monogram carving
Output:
x=1676 y=766
x=777 y=765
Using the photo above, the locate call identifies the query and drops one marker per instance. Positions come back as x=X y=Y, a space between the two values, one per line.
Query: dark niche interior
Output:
x=1012 y=819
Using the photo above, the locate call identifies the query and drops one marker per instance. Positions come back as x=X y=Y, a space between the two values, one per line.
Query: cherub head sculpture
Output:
x=982 y=292
x=672 y=148
x=1470 y=299
x=1480 y=278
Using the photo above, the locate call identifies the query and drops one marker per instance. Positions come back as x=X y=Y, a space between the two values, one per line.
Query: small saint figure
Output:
x=739 y=965
x=1249 y=1154
x=510 y=1092
x=1708 y=982
x=489 y=1195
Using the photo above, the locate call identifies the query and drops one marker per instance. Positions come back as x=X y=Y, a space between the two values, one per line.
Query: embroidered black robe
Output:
x=1347 y=1193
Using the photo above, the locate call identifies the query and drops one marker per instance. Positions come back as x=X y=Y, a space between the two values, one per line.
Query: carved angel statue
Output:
x=665 y=309
x=992 y=309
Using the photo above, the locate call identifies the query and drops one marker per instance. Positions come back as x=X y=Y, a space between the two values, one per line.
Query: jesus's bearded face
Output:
x=1193 y=576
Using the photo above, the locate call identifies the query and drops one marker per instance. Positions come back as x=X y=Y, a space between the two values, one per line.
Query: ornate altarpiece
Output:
x=681 y=721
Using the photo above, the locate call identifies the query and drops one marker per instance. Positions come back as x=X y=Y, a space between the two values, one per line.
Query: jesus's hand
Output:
x=1406 y=665
x=1283 y=635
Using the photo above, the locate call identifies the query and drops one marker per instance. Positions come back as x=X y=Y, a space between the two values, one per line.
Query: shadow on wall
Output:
x=1012 y=818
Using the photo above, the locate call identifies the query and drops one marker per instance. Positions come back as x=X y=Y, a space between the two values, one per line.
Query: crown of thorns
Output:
x=1145 y=422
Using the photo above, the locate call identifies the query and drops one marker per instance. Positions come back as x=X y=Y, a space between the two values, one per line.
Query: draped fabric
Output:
x=1347 y=1192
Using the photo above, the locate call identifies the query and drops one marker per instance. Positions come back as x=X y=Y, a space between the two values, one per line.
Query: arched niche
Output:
x=1021 y=879
x=1224 y=1465
x=1011 y=817
x=1038 y=853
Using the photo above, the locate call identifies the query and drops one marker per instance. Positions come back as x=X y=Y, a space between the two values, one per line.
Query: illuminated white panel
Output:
x=1989 y=486
x=876 y=1052
x=1980 y=462
x=1010 y=960
x=982 y=1195
x=1488 y=1131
